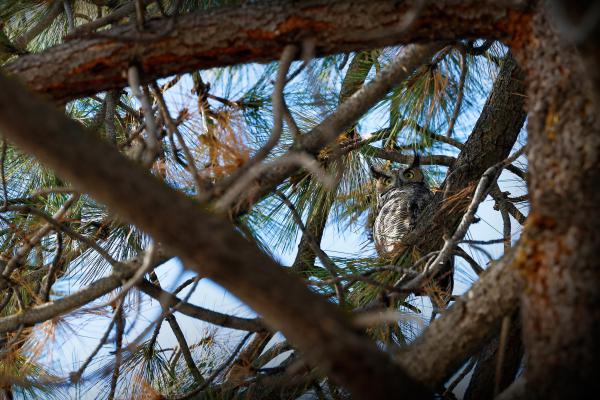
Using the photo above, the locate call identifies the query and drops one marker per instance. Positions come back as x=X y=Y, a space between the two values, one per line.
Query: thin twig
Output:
x=497 y=195
x=478 y=50
x=7 y=269
x=465 y=256
x=300 y=159
x=185 y=348
x=75 y=376
x=3 y=171
x=119 y=329
x=132 y=347
x=167 y=300
x=460 y=377
x=172 y=129
x=56 y=263
x=506 y=227
x=323 y=257
x=278 y=114
x=518 y=199
x=216 y=372
x=52 y=222
x=291 y=122
x=484 y=242
x=154 y=280
x=73 y=301
x=308 y=53
x=153 y=145
x=147 y=266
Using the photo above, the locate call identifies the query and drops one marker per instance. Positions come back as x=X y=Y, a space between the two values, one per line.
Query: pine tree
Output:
x=222 y=133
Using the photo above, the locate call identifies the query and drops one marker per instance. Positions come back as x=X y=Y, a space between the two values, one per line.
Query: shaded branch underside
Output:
x=253 y=33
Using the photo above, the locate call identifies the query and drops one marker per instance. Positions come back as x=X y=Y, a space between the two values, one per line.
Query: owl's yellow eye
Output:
x=409 y=174
x=388 y=181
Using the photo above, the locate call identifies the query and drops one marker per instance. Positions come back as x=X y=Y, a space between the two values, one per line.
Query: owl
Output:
x=401 y=197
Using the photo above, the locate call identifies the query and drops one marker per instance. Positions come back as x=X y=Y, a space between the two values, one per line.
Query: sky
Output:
x=351 y=240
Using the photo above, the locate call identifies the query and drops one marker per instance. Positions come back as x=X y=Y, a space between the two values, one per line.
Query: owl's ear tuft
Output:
x=416 y=160
x=377 y=173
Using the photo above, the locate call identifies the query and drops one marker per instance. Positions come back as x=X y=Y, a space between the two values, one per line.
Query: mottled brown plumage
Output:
x=401 y=196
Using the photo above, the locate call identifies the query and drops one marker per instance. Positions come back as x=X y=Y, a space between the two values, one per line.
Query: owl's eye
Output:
x=409 y=174
x=388 y=181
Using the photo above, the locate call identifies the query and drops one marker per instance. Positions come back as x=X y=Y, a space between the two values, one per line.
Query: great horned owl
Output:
x=401 y=196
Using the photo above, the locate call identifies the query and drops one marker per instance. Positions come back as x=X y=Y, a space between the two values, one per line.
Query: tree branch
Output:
x=466 y=324
x=412 y=57
x=65 y=304
x=167 y=299
x=254 y=33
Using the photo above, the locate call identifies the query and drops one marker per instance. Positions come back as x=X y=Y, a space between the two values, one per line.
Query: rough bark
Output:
x=253 y=33
x=490 y=142
x=559 y=258
x=579 y=25
x=204 y=242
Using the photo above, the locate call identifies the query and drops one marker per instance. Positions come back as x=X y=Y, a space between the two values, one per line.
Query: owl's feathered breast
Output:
x=397 y=212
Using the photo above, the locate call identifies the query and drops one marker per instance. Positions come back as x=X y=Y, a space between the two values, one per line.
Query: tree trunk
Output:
x=559 y=253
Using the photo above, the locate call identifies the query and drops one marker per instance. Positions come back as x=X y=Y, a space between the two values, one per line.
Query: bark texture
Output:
x=559 y=257
x=254 y=33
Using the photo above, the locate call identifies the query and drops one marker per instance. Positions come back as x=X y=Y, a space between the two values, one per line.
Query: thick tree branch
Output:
x=490 y=142
x=491 y=376
x=204 y=242
x=254 y=33
x=465 y=326
x=562 y=234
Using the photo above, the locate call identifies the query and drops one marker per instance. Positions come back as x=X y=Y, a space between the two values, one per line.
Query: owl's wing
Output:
x=391 y=222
